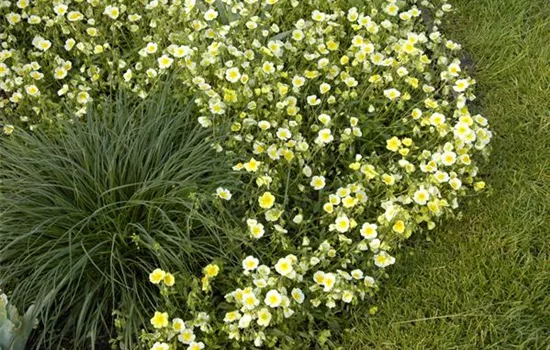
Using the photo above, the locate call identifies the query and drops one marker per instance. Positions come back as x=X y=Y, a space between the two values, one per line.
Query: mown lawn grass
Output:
x=484 y=282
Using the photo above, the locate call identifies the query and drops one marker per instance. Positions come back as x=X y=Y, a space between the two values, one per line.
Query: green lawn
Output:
x=484 y=283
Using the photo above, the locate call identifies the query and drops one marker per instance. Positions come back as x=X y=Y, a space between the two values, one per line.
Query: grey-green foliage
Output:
x=87 y=213
x=14 y=328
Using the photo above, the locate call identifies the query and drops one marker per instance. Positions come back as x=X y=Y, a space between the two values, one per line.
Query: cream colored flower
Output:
x=223 y=193
x=266 y=200
x=232 y=75
x=112 y=11
x=264 y=317
x=160 y=346
x=157 y=276
x=369 y=231
x=165 y=61
x=318 y=182
x=392 y=94
x=342 y=224
x=383 y=259
x=284 y=267
x=74 y=16
x=273 y=299
x=160 y=320
x=210 y=15
x=298 y=295
x=250 y=263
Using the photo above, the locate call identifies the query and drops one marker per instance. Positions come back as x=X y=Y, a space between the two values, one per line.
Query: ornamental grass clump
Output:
x=87 y=212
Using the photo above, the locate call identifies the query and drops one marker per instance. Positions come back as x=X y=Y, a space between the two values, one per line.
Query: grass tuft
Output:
x=87 y=213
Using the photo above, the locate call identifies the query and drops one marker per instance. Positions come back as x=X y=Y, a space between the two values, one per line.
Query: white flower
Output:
x=307 y=171
x=112 y=11
x=232 y=316
x=178 y=325
x=329 y=280
x=313 y=100
x=368 y=231
x=325 y=136
x=287 y=312
x=250 y=263
x=160 y=346
x=151 y=48
x=273 y=298
x=368 y=281
x=392 y=94
x=454 y=69
x=4 y=70
x=256 y=229
x=284 y=267
x=32 y=90
x=196 y=346
x=250 y=301
x=134 y=17
x=217 y=107
x=83 y=97
x=244 y=321
x=298 y=81
x=357 y=274
x=448 y=158
x=298 y=219
x=347 y=296
x=437 y=119
x=264 y=317
x=232 y=75
x=324 y=118
x=324 y=88
x=383 y=259
x=60 y=9
x=165 y=61
x=318 y=16
x=318 y=182
x=284 y=134
x=189 y=5
x=375 y=244
x=298 y=295
x=455 y=183
x=186 y=336
x=60 y=73
x=8 y=129
x=181 y=51
x=74 y=16
x=69 y=44
x=210 y=15
x=421 y=196
x=441 y=176
x=351 y=82
x=205 y=122
x=44 y=44
x=342 y=224
x=264 y=124
x=127 y=75
x=461 y=85
x=223 y=193
x=268 y=67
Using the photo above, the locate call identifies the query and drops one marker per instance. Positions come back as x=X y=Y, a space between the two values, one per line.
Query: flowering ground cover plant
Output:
x=349 y=123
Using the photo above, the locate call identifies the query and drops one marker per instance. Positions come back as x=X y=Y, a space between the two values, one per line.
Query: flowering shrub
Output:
x=349 y=118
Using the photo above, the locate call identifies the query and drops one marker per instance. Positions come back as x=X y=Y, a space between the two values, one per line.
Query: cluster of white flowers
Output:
x=351 y=123
x=354 y=127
